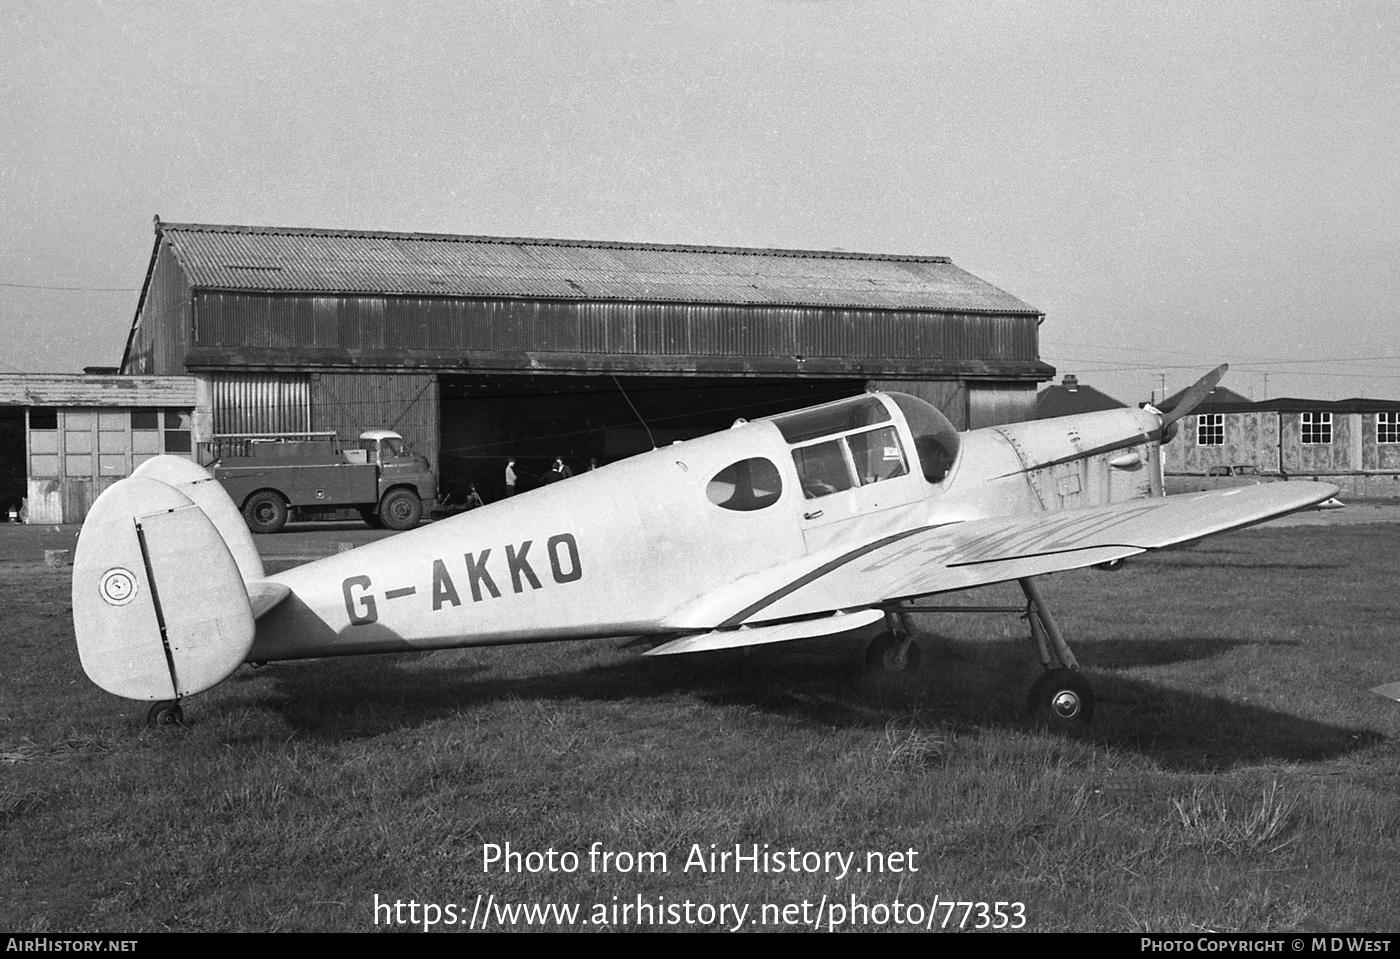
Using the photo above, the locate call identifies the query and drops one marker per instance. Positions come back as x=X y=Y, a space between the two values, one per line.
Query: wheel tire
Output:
x=882 y=656
x=1061 y=699
x=401 y=509
x=265 y=511
x=370 y=515
x=165 y=713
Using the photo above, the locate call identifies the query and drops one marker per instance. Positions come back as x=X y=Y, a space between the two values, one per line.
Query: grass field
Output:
x=1238 y=775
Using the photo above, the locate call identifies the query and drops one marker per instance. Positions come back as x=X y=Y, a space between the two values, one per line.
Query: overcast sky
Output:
x=1175 y=184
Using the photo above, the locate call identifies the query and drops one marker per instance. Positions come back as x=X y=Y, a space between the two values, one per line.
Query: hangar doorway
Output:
x=487 y=419
x=14 y=470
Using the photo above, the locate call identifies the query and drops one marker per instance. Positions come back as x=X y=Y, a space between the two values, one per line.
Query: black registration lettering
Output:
x=361 y=609
x=564 y=542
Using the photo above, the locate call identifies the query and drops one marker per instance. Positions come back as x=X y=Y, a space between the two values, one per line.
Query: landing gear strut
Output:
x=1061 y=698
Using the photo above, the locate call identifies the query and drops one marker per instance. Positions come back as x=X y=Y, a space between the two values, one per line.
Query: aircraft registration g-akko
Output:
x=805 y=524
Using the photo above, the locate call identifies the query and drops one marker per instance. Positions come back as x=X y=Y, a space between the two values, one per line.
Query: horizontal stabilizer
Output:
x=264 y=595
x=779 y=633
x=1391 y=690
x=159 y=606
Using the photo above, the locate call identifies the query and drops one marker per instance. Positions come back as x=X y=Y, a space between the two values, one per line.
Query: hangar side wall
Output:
x=344 y=402
x=404 y=402
x=948 y=396
x=992 y=404
x=971 y=405
x=162 y=338
x=287 y=330
x=261 y=402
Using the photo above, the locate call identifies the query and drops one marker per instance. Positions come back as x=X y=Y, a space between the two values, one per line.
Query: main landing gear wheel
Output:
x=1061 y=699
x=165 y=713
x=886 y=655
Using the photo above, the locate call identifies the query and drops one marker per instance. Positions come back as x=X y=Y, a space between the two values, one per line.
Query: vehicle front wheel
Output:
x=265 y=511
x=401 y=509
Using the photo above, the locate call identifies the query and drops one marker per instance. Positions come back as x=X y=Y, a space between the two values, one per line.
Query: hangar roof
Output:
x=291 y=259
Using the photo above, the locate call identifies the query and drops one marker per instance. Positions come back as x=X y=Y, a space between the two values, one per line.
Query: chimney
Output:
x=1071 y=382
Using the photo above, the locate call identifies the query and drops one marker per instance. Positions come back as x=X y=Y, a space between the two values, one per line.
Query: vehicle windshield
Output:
x=388 y=446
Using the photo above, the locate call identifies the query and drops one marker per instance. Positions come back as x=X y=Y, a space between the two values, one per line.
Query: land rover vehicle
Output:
x=270 y=474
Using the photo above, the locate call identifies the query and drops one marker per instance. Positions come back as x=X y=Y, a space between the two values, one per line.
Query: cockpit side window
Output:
x=823 y=468
x=877 y=455
x=857 y=459
x=745 y=486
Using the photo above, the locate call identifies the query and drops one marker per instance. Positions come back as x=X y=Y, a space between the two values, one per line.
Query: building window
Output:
x=1210 y=429
x=177 y=431
x=1317 y=429
x=159 y=431
x=1388 y=427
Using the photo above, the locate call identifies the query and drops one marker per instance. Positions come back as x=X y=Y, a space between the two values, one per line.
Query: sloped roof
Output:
x=83 y=390
x=1292 y=404
x=1220 y=396
x=301 y=260
x=1061 y=401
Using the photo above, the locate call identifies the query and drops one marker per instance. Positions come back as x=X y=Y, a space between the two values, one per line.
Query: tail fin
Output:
x=162 y=581
x=205 y=492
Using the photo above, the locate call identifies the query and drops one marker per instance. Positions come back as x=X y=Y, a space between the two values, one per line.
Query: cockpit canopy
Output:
x=854 y=442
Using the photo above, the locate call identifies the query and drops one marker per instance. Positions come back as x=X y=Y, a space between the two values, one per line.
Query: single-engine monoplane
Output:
x=809 y=523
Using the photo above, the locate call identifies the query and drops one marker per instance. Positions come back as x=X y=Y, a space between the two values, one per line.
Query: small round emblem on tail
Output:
x=118 y=586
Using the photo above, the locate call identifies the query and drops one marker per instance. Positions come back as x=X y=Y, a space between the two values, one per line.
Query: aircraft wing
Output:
x=961 y=555
x=776 y=633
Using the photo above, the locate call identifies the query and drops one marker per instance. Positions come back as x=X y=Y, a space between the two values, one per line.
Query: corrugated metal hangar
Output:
x=480 y=348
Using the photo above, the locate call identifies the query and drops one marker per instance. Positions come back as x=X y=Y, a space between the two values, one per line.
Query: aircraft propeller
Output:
x=1190 y=399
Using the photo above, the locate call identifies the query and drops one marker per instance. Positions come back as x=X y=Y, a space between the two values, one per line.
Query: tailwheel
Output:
x=165 y=713
x=1061 y=699
x=889 y=655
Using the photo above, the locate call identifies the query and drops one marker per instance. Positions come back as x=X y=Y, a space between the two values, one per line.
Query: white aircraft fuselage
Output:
x=634 y=548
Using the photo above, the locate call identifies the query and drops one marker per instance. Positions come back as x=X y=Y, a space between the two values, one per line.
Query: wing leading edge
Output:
x=942 y=558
